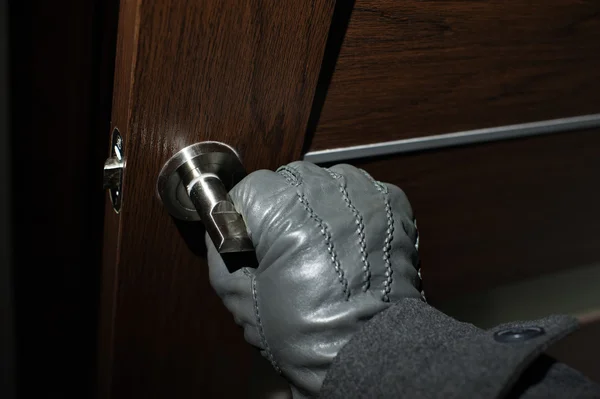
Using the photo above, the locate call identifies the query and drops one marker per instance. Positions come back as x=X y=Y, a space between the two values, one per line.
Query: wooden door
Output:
x=240 y=72
x=280 y=80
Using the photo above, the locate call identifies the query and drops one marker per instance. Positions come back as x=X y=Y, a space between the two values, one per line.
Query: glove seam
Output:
x=290 y=175
x=261 y=330
x=419 y=273
x=387 y=243
x=328 y=243
x=387 y=246
x=360 y=230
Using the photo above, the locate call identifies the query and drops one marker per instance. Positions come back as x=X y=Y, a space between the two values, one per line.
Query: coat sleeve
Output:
x=413 y=350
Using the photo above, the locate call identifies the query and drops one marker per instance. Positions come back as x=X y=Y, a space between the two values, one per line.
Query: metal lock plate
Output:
x=113 y=170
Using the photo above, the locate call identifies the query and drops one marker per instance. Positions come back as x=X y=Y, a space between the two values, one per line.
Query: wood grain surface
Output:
x=239 y=72
x=415 y=68
x=501 y=212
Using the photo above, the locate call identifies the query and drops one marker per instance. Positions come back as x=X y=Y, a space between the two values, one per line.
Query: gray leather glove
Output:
x=334 y=249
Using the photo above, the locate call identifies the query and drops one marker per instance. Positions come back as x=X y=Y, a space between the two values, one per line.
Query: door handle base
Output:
x=193 y=185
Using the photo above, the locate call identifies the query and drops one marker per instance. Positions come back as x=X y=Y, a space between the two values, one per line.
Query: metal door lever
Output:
x=194 y=185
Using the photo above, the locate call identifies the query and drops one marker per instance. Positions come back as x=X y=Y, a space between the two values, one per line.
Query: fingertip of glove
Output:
x=255 y=179
x=257 y=175
x=257 y=182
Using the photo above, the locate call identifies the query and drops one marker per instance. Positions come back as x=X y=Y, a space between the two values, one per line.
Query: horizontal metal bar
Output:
x=454 y=139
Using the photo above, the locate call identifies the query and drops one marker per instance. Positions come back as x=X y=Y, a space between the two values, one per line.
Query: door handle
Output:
x=194 y=185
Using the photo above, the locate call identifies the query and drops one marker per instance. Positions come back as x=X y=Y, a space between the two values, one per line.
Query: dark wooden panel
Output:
x=499 y=212
x=414 y=68
x=239 y=72
x=61 y=65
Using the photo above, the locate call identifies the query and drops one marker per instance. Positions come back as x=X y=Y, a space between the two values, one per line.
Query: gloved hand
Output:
x=334 y=249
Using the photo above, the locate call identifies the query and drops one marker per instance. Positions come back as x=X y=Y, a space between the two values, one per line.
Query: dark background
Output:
x=6 y=313
x=59 y=61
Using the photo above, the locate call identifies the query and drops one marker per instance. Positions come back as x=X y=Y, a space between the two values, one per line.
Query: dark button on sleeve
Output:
x=518 y=334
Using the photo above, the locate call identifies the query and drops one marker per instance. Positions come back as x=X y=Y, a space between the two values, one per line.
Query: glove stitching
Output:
x=382 y=188
x=290 y=175
x=419 y=274
x=330 y=248
x=378 y=185
x=261 y=330
x=247 y=272
x=360 y=230
x=418 y=235
x=387 y=246
x=387 y=243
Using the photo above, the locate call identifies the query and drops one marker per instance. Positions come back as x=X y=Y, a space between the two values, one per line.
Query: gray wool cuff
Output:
x=413 y=350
